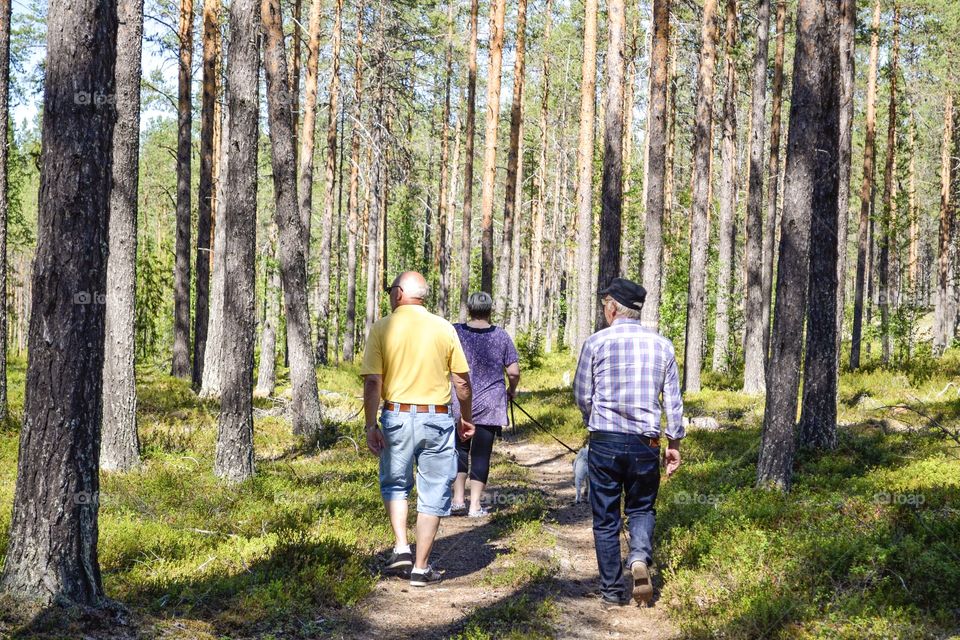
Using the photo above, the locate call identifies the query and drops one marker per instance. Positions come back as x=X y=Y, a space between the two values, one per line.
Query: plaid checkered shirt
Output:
x=622 y=373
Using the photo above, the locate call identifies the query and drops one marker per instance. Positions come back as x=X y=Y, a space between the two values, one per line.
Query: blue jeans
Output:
x=426 y=439
x=621 y=464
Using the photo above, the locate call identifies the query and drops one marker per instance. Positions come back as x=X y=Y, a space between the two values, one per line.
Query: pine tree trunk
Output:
x=234 y=450
x=866 y=190
x=181 y=278
x=308 y=136
x=376 y=174
x=514 y=276
x=848 y=27
x=945 y=309
x=914 y=233
x=488 y=184
x=353 y=199
x=52 y=550
x=655 y=183
x=5 y=19
x=885 y=266
x=326 y=232
x=119 y=444
x=443 y=209
x=510 y=200
x=540 y=203
x=628 y=244
x=611 y=194
x=465 y=243
x=773 y=170
x=810 y=205
x=205 y=188
x=753 y=347
x=267 y=371
x=728 y=197
x=700 y=220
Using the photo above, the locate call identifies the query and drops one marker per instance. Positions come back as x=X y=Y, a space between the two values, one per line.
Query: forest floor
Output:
x=864 y=546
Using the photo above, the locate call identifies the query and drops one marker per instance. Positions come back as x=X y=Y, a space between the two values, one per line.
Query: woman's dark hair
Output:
x=480 y=305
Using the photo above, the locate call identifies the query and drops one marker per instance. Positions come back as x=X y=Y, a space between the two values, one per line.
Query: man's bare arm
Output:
x=372 y=388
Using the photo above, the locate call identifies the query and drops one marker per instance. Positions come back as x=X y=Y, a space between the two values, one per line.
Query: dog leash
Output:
x=536 y=423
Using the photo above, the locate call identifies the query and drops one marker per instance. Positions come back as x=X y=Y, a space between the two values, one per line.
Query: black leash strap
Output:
x=514 y=403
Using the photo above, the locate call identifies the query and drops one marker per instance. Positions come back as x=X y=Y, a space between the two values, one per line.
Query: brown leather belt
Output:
x=420 y=408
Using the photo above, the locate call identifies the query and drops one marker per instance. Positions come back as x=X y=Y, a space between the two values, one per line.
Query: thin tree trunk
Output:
x=753 y=346
x=514 y=279
x=234 y=449
x=773 y=170
x=848 y=27
x=205 y=189
x=294 y=80
x=353 y=200
x=914 y=233
x=866 y=189
x=728 y=197
x=700 y=221
x=465 y=244
x=510 y=200
x=657 y=172
x=627 y=241
x=308 y=136
x=810 y=206
x=119 y=445
x=886 y=270
x=945 y=308
x=540 y=204
x=181 y=279
x=443 y=209
x=488 y=184
x=52 y=551
x=5 y=19
x=267 y=371
x=378 y=153
x=611 y=194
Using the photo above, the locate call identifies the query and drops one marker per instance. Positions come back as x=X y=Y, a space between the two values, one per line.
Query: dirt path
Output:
x=465 y=547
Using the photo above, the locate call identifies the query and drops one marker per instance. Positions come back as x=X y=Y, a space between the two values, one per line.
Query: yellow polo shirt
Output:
x=415 y=351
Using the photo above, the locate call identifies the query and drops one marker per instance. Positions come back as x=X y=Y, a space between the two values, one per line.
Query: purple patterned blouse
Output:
x=489 y=352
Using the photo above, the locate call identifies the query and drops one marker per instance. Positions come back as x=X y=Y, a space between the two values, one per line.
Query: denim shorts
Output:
x=426 y=439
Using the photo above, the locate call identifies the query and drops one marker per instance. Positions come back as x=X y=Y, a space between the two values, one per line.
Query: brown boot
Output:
x=642 y=584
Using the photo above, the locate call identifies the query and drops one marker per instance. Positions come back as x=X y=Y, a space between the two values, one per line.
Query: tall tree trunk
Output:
x=267 y=371
x=181 y=278
x=866 y=189
x=628 y=245
x=886 y=270
x=234 y=450
x=308 y=136
x=848 y=27
x=326 y=232
x=773 y=171
x=208 y=99
x=120 y=445
x=728 y=197
x=914 y=233
x=945 y=309
x=753 y=347
x=465 y=244
x=514 y=279
x=611 y=194
x=511 y=198
x=378 y=153
x=810 y=206
x=305 y=409
x=5 y=19
x=655 y=183
x=443 y=209
x=700 y=220
x=497 y=11
x=353 y=200
x=583 y=303
x=540 y=204
x=294 y=81
x=52 y=552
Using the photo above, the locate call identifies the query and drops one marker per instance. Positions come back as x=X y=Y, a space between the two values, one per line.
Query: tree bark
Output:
x=181 y=278
x=465 y=243
x=267 y=371
x=728 y=197
x=611 y=194
x=886 y=270
x=379 y=125
x=945 y=308
x=866 y=190
x=488 y=184
x=234 y=449
x=513 y=160
x=540 y=204
x=655 y=183
x=52 y=553
x=443 y=209
x=514 y=279
x=353 y=200
x=326 y=235
x=120 y=445
x=773 y=170
x=205 y=189
x=848 y=27
x=753 y=347
x=700 y=220
x=308 y=136
x=5 y=20
x=810 y=206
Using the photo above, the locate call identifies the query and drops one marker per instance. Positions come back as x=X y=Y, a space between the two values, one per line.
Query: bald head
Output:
x=410 y=288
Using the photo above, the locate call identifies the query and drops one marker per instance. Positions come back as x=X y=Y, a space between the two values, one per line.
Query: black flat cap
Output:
x=629 y=294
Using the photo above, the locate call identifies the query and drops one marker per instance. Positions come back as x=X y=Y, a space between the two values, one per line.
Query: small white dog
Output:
x=580 y=468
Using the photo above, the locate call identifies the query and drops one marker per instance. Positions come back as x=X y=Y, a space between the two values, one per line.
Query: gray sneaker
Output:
x=399 y=563
x=430 y=576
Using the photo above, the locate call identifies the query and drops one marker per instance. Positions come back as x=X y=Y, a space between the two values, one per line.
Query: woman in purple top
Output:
x=490 y=352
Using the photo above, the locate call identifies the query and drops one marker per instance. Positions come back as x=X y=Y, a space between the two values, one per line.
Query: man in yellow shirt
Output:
x=409 y=359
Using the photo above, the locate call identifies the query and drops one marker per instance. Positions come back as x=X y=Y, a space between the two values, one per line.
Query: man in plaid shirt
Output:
x=626 y=377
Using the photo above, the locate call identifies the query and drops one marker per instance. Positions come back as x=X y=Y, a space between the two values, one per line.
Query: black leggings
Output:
x=478 y=448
